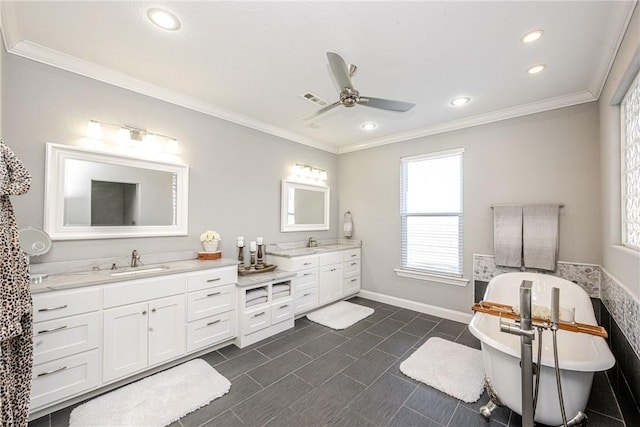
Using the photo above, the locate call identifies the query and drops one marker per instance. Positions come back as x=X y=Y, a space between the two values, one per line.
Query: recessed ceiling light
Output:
x=536 y=69
x=163 y=19
x=531 y=36
x=460 y=101
x=368 y=126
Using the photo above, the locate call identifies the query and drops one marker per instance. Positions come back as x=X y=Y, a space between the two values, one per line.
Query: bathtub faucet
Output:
x=526 y=333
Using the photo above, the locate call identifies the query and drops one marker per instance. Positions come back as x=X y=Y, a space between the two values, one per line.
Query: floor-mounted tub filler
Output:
x=580 y=355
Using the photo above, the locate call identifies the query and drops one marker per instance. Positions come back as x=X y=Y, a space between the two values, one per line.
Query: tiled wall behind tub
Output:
x=585 y=275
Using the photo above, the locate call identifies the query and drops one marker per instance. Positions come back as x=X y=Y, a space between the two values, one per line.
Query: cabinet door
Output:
x=125 y=340
x=167 y=329
x=330 y=283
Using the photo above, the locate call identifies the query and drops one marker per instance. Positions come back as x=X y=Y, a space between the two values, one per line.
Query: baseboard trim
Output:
x=445 y=313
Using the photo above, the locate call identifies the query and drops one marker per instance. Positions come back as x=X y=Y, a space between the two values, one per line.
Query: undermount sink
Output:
x=300 y=251
x=134 y=271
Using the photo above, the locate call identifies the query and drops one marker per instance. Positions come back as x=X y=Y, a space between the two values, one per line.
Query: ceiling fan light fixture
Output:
x=368 y=126
x=532 y=36
x=163 y=18
x=460 y=101
x=536 y=69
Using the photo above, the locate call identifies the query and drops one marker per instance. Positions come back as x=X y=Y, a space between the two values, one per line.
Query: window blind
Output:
x=431 y=212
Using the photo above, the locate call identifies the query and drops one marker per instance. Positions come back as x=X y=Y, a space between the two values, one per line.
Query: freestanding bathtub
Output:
x=579 y=355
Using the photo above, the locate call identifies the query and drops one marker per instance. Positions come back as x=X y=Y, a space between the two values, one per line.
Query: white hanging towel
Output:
x=507 y=235
x=540 y=236
x=348 y=225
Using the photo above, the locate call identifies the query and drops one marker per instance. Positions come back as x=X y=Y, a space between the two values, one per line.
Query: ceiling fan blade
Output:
x=340 y=70
x=385 y=104
x=322 y=110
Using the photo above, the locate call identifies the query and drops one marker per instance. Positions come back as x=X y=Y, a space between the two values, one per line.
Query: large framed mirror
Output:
x=91 y=194
x=305 y=207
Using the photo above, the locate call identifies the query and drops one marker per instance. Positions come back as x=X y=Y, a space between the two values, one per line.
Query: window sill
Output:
x=431 y=277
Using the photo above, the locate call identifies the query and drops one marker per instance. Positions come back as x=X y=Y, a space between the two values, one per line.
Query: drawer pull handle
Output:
x=354 y=280
x=354 y=263
x=307 y=263
x=44 y=331
x=213 y=280
x=213 y=294
x=60 y=307
x=52 y=372
x=284 y=306
x=259 y=314
x=353 y=255
x=213 y=323
x=144 y=312
x=307 y=294
x=307 y=274
x=153 y=310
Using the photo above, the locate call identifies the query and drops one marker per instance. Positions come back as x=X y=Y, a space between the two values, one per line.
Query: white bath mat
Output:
x=340 y=315
x=157 y=400
x=454 y=369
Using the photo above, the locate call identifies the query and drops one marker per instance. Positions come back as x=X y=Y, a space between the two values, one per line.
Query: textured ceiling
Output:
x=249 y=62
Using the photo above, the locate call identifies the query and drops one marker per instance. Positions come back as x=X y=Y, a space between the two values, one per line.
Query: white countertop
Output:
x=61 y=281
x=293 y=250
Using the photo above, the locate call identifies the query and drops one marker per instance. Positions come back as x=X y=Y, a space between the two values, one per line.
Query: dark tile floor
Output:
x=313 y=375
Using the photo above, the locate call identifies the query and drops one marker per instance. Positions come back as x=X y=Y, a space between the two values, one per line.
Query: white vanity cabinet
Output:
x=329 y=277
x=323 y=277
x=95 y=336
x=140 y=330
x=66 y=344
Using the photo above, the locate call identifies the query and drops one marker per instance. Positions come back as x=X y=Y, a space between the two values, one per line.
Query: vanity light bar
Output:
x=309 y=172
x=128 y=134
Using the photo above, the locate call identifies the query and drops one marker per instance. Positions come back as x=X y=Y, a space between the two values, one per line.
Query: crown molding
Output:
x=481 y=119
x=609 y=50
x=10 y=24
x=75 y=65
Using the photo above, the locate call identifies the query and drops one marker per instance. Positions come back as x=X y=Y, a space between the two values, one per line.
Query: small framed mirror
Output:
x=96 y=195
x=305 y=207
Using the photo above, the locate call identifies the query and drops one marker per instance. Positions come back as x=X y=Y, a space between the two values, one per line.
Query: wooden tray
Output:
x=267 y=268
x=506 y=311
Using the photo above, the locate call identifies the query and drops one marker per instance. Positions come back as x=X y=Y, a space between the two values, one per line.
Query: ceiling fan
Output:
x=350 y=97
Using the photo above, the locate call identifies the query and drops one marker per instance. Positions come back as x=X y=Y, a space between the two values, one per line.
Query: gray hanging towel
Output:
x=507 y=235
x=540 y=236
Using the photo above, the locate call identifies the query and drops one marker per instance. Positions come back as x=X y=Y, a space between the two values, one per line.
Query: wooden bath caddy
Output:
x=506 y=311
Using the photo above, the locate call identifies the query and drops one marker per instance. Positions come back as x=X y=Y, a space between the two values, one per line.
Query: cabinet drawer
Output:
x=210 y=302
x=63 y=337
x=350 y=254
x=256 y=320
x=304 y=262
x=54 y=305
x=143 y=290
x=330 y=258
x=351 y=285
x=351 y=268
x=210 y=278
x=281 y=311
x=211 y=330
x=59 y=379
x=306 y=300
x=305 y=278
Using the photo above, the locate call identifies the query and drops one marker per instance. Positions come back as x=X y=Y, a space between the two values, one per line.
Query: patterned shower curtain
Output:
x=16 y=344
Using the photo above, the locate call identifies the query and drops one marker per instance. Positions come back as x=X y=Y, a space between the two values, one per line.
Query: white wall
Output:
x=543 y=158
x=235 y=172
x=622 y=263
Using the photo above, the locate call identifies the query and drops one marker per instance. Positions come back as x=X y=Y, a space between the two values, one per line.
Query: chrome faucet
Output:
x=135 y=258
x=312 y=243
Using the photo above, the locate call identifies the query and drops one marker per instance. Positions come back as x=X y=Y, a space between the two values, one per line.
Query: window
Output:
x=431 y=213
x=630 y=156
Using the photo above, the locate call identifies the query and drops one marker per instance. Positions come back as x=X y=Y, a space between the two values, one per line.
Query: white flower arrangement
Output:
x=209 y=235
